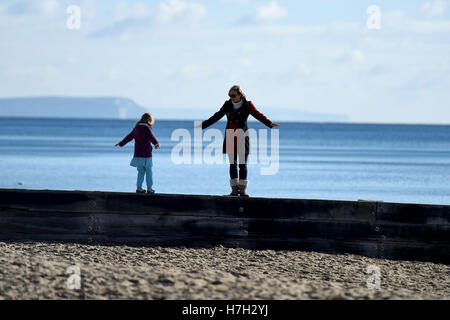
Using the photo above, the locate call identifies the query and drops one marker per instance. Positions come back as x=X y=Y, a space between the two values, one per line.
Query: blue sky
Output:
x=315 y=56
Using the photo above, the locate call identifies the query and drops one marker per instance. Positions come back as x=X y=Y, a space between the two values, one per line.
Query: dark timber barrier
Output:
x=374 y=229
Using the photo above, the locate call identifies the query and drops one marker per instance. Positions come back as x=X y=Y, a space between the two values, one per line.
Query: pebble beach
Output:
x=38 y=270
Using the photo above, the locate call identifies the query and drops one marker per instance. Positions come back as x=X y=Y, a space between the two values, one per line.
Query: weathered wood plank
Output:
x=402 y=231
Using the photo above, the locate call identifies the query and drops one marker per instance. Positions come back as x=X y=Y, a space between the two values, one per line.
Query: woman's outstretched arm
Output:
x=216 y=117
x=259 y=116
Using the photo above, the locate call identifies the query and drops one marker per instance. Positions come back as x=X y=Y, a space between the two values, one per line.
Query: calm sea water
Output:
x=396 y=163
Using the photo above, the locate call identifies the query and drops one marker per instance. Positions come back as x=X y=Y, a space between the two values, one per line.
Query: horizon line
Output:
x=223 y=120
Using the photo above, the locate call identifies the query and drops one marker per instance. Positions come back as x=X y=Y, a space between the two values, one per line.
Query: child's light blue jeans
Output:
x=144 y=168
x=147 y=172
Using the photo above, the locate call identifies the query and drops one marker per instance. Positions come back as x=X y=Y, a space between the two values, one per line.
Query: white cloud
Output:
x=113 y=74
x=89 y=13
x=190 y=71
x=271 y=12
x=393 y=23
x=342 y=55
x=50 y=7
x=358 y=56
x=434 y=9
x=397 y=21
x=172 y=11
x=235 y=1
x=304 y=69
x=125 y=10
x=140 y=18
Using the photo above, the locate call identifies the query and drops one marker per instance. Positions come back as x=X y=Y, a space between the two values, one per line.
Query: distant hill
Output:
x=123 y=108
x=67 y=107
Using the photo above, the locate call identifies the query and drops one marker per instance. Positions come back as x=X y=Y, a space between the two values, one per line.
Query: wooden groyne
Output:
x=374 y=229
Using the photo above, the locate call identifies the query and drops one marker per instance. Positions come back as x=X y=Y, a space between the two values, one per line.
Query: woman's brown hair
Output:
x=147 y=118
x=239 y=90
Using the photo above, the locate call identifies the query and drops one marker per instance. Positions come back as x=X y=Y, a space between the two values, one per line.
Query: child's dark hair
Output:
x=147 y=118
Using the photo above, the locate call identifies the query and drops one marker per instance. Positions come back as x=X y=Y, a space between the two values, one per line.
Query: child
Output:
x=142 y=160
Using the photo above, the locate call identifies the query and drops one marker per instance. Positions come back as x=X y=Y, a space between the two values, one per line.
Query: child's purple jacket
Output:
x=143 y=138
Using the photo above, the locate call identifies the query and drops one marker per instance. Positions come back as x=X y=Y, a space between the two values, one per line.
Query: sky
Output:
x=324 y=56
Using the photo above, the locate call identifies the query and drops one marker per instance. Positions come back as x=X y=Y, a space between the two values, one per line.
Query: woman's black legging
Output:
x=234 y=168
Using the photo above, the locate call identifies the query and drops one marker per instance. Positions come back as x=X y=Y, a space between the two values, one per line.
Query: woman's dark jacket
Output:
x=237 y=119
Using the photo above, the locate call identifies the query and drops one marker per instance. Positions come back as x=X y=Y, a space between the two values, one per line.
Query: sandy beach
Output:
x=37 y=270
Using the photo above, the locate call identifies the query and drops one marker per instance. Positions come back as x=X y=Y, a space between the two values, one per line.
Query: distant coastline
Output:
x=350 y=123
x=124 y=108
x=118 y=108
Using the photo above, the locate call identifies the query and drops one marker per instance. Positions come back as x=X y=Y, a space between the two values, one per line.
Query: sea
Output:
x=334 y=161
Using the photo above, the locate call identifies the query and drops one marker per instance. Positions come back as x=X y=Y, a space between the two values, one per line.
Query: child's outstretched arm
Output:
x=127 y=139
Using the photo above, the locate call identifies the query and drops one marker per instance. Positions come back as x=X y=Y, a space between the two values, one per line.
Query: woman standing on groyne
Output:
x=237 y=109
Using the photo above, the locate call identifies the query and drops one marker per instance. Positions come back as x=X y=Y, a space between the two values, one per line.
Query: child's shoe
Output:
x=150 y=191
x=140 y=190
